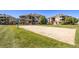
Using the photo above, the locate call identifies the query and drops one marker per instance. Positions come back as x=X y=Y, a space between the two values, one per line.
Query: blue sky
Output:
x=47 y=13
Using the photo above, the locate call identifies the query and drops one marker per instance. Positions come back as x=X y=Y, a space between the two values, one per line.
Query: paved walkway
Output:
x=61 y=34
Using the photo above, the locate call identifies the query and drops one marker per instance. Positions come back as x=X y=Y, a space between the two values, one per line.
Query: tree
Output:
x=75 y=20
x=43 y=20
x=70 y=20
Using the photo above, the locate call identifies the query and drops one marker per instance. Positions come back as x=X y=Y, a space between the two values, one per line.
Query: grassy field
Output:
x=12 y=37
x=70 y=26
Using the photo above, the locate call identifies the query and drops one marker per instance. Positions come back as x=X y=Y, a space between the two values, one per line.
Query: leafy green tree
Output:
x=75 y=20
x=70 y=20
x=43 y=20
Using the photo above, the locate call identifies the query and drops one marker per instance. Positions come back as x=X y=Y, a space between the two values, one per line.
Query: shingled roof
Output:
x=32 y=15
x=5 y=15
x=58 y=15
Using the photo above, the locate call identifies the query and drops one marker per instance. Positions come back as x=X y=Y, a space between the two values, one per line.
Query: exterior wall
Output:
x=50 y=21
x=7 y=19
x=55 y=20
x=28 y=20
x=25 y=21
x=12 y=21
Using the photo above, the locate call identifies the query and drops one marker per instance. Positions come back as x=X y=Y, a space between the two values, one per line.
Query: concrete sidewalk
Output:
x=66 y=35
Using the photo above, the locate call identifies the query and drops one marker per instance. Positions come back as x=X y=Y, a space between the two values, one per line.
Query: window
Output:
x=29 y=17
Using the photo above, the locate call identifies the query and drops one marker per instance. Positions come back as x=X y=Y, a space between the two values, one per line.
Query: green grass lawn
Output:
x=12 y=37
x=69 y=26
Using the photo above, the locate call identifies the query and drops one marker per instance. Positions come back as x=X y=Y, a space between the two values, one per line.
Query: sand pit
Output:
x=66 y=35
